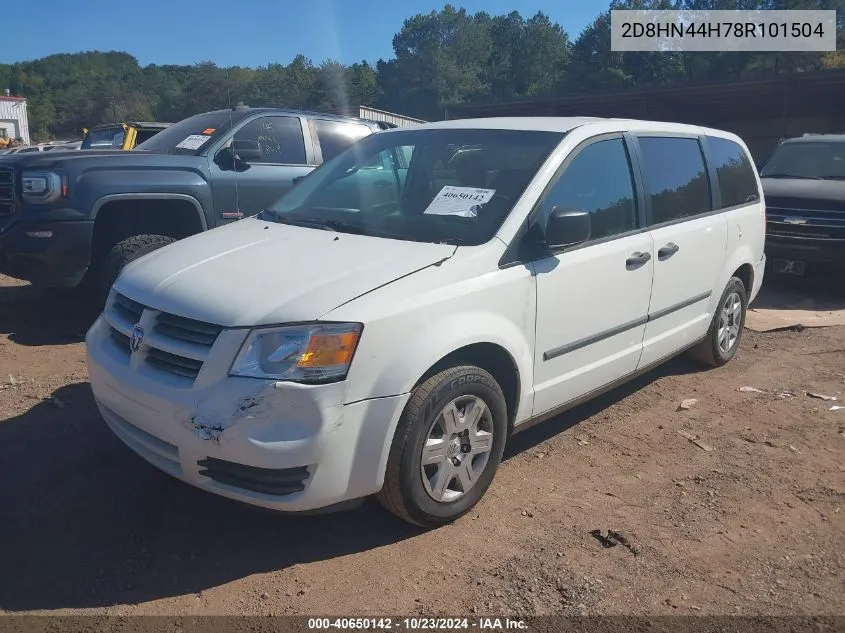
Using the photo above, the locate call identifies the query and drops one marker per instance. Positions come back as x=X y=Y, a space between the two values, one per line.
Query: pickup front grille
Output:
x=815 y=224
x=7 y=193
x=173 y=344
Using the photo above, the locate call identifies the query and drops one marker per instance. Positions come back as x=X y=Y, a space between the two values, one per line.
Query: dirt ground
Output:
x=755 y=526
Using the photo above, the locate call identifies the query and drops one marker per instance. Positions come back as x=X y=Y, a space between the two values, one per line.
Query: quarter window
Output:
x=336 y=136
x=675 y=177
x=279 y=138
x=737 y=182
x=598 y=180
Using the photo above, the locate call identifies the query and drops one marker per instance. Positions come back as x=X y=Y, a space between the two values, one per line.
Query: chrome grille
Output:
x=121 y=339
x=174 y=344
x=7 y=192
x=131 y=310
x=187 y=329
x=819 y=224
x=175 y=364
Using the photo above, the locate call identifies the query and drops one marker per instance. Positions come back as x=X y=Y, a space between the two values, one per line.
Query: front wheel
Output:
x=447 y=447
x=722 y=340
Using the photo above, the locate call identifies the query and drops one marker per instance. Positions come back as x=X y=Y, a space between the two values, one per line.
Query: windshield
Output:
x=807 y=160
x=189 y=136
x=105 y=138
x=451 y=185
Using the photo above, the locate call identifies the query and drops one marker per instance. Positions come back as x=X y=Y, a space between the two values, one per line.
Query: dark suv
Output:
x=76 y=218
x=804 y=187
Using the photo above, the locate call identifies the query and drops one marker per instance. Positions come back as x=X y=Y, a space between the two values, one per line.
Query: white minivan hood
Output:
x=254 y=272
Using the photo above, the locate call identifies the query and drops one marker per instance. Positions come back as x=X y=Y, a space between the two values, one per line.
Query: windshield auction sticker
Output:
x=194 y=141
x=460 y=201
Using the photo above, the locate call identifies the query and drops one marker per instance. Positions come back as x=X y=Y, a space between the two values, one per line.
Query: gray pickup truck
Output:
x=70 y=219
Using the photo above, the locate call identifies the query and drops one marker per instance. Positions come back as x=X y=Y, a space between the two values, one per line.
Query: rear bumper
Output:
x=55 y=254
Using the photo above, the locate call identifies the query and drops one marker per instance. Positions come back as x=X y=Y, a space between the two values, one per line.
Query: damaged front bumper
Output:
x=280 y=445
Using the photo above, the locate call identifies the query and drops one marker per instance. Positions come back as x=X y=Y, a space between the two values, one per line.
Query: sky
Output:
x=239 y=32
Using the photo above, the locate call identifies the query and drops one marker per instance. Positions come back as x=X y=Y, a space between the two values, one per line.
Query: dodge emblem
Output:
x=137 y=338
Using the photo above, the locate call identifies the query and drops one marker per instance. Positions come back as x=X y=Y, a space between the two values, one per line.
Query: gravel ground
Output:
x=754 y=526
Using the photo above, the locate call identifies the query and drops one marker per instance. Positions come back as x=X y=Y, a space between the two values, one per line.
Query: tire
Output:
x=120 y=255
x=711 y=351
x=418 y=494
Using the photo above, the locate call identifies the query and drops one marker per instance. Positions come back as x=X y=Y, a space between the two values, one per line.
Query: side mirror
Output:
x=566 y=227
x=247 y=151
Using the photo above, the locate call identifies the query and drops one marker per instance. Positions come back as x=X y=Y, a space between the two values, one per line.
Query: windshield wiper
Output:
x=799 y=176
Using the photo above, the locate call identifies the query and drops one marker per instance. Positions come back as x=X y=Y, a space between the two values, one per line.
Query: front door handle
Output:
x=667 y=251
x=636 y=260
x=298 y=179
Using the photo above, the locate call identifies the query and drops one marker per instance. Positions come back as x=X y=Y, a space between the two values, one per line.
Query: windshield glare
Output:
x=454 y=186
x=187 y=134
x=807 y=160
x=106 y=138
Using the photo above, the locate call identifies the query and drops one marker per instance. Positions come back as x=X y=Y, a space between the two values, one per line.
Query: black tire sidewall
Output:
x=124 y=253
x=417 y=501
x=734 y=285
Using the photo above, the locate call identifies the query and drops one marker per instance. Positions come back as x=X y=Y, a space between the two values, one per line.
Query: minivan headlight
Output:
x=310 y=353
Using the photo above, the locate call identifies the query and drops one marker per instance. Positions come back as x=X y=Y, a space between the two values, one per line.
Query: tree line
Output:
x=443 y=57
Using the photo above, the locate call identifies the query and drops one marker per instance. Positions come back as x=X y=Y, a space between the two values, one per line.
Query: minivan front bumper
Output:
x=283 y=446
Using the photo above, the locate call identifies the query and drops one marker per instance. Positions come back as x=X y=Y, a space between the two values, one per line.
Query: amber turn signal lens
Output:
x=326 y=350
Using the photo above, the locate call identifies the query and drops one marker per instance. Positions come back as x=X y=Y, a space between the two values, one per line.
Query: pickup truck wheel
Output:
x=447 y=447
x=123 y=253
x=725 y=333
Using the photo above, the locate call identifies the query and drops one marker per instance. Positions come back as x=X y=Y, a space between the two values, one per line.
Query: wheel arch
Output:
x=120 y=216
x=133 y=197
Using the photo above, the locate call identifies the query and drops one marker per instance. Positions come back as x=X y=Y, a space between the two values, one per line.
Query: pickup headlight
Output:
x=41 y=186
x=310 y=353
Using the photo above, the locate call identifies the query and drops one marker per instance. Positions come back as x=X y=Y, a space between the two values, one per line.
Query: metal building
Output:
x=13 y=117
x=761 y=111
x=372 y=114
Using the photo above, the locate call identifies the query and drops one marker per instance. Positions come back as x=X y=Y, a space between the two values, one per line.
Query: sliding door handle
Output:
x=667 y=251
x=636 y=260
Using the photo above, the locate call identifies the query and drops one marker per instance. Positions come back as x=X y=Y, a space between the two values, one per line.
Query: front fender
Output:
x=415 y=356
x=413 y=323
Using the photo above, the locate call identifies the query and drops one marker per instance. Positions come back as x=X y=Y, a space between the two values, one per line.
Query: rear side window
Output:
x=734 y=171
x=336 y=136
x=675 y=177
x=598 y=180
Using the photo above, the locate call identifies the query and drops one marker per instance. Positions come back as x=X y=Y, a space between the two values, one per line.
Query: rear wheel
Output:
x=725 y=333
x=120 y=255
x=447 y=447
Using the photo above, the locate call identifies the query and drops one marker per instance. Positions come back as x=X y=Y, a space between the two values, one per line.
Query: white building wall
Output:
x=13 y=117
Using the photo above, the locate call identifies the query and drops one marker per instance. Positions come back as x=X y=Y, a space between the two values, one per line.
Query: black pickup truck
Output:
x=70 y=219
x=804 y=188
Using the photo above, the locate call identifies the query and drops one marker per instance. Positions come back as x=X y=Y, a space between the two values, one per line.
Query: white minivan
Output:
x=391 y=321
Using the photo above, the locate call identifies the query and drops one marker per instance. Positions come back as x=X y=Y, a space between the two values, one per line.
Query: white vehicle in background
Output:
x=388 y=324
